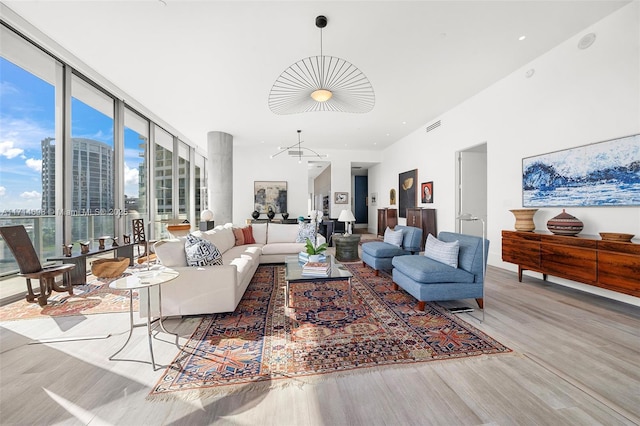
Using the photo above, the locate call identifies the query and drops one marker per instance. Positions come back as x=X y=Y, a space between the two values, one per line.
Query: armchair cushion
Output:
x=382 y=249
x=393 y=237
x=441 y=251
x=426 y=270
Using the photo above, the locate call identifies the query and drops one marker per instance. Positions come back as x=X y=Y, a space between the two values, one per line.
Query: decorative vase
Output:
x=565 y=224
x=255 y=214
x=524 y=219
x=271 y=214
x=285 y=215
x=66 y=249
x=315 y=257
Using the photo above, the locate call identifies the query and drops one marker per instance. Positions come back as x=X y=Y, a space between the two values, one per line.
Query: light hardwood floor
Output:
x=576 y=361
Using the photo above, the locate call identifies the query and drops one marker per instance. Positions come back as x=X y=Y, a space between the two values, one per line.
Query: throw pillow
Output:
x=201 y=252
x=247 y=231
x=393 y=237
x=441 y=251
x=306 y=230
x=239 y=235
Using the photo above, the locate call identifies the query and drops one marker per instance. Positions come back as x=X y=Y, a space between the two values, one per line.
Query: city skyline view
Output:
x=27 y=117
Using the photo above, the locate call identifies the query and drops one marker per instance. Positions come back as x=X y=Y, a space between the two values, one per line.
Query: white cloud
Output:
x=130 y=175
x=35 y=165
x=7 y=150
x=24 y=132
x=3 y=191
x=30 y=195
x=7 y=88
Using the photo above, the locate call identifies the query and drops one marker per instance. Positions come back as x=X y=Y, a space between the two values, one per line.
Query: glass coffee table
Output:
x=293 y=274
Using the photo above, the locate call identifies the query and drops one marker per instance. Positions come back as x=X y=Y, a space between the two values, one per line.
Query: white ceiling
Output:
x=209 y=65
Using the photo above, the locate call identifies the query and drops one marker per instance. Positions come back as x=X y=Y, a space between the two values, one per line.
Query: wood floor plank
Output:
x=576 y=360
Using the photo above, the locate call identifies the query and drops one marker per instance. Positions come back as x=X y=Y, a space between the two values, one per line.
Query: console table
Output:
x=584 y=258
x=79 y=273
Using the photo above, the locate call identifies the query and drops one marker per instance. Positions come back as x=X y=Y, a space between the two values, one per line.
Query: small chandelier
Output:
x=321 y=83
x=296 y=150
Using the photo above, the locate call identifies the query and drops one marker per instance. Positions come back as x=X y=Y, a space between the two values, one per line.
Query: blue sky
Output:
x=27 y=116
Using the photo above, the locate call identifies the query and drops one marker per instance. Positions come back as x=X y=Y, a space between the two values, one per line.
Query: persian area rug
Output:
x=264 y=344
x=95 y=297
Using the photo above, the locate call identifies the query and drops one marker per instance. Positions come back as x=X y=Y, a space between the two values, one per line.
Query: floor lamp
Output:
x=467 y=217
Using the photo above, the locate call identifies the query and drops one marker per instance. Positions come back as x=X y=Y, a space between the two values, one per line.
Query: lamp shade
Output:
x=206 y=215
x=346 y=216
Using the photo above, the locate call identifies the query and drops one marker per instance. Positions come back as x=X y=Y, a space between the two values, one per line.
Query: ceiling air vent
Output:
x=433 y=126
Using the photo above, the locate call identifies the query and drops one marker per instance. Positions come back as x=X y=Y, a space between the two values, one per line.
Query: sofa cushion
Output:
x=282 y=248
x=248 y=235
x=239 y=234
x=393 y=237
x=222 y=238
x=201 y=252
x=171 y=252
x=444 y=252
x=306 y=230
x=260 y=233
x=281 y=233
x=425 y=270
x=382 y=249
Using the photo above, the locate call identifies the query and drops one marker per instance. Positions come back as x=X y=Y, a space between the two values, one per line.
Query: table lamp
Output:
x=347 y=217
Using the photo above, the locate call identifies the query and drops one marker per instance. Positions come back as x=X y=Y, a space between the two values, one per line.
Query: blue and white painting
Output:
x=601 y=174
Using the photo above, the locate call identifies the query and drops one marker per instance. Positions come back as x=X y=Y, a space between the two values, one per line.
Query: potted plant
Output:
x=315 y=252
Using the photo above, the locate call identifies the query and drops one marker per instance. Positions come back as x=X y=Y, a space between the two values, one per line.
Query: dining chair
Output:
x=20 y=244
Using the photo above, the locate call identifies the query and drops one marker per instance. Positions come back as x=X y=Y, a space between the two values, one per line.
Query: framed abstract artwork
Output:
x=408 y=195
x=270 y=194
x=600 y=174
x=341 y=198
x=427 y=192
x=374 y=198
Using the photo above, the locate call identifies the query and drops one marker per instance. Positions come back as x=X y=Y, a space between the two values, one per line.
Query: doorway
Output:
x=471 y=197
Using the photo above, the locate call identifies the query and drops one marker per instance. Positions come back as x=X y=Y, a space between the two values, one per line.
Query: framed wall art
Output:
x=600 y=174
x=427 y=192
x=341 y=197
x=374 y=198
x=270 y=194
x=392 y=197
x=408 y=196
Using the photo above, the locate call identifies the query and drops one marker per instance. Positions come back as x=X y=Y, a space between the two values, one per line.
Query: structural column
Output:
x=220 y=176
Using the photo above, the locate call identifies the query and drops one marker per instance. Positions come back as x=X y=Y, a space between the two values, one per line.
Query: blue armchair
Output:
x=429 y=280
x=379 y=254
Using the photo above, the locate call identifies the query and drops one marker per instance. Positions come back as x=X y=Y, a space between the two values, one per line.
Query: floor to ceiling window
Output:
x=27 y=144
x=92 y=186
x=163 y=180
x=183 y=181
x=136 y=154
x=59 y=181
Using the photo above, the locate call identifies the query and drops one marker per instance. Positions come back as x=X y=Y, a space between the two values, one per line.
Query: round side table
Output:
x=346 y=247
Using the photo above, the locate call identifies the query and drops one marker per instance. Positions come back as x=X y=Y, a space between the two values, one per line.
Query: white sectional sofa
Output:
x=213 y=289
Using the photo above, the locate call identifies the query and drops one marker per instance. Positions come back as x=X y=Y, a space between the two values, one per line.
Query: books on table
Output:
x=316 y=269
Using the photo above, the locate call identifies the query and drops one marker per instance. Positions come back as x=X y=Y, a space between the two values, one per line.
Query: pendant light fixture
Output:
x=321 y=83
x=298 y=151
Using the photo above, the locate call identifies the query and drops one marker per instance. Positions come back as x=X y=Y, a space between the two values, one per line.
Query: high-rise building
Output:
x=92 y=173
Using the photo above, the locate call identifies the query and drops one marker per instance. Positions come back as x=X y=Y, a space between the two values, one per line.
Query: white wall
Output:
x=575 y=97
x=252 y=163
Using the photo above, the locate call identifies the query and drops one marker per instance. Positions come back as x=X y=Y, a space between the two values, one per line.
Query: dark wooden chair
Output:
x=140 y=239
x=17 y=239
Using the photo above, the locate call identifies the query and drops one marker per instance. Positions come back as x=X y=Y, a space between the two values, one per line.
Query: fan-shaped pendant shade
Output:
x=321 y=83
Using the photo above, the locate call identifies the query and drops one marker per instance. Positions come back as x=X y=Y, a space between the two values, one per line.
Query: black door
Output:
x=360 y=199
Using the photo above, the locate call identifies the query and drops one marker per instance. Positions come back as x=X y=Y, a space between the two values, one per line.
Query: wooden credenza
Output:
x=387 y=217
x=584 y=258
x=424 y=219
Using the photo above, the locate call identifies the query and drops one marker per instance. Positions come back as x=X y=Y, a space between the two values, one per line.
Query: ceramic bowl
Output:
x=615 y=236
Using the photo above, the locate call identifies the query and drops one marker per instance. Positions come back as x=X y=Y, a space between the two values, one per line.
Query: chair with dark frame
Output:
x=140 y=239
x=20 y=244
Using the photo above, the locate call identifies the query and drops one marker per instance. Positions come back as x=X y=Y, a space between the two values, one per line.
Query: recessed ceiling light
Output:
x=388 y=134
x=404 y=122
x=522 y=38
x=586 y=41
x=529 y=73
